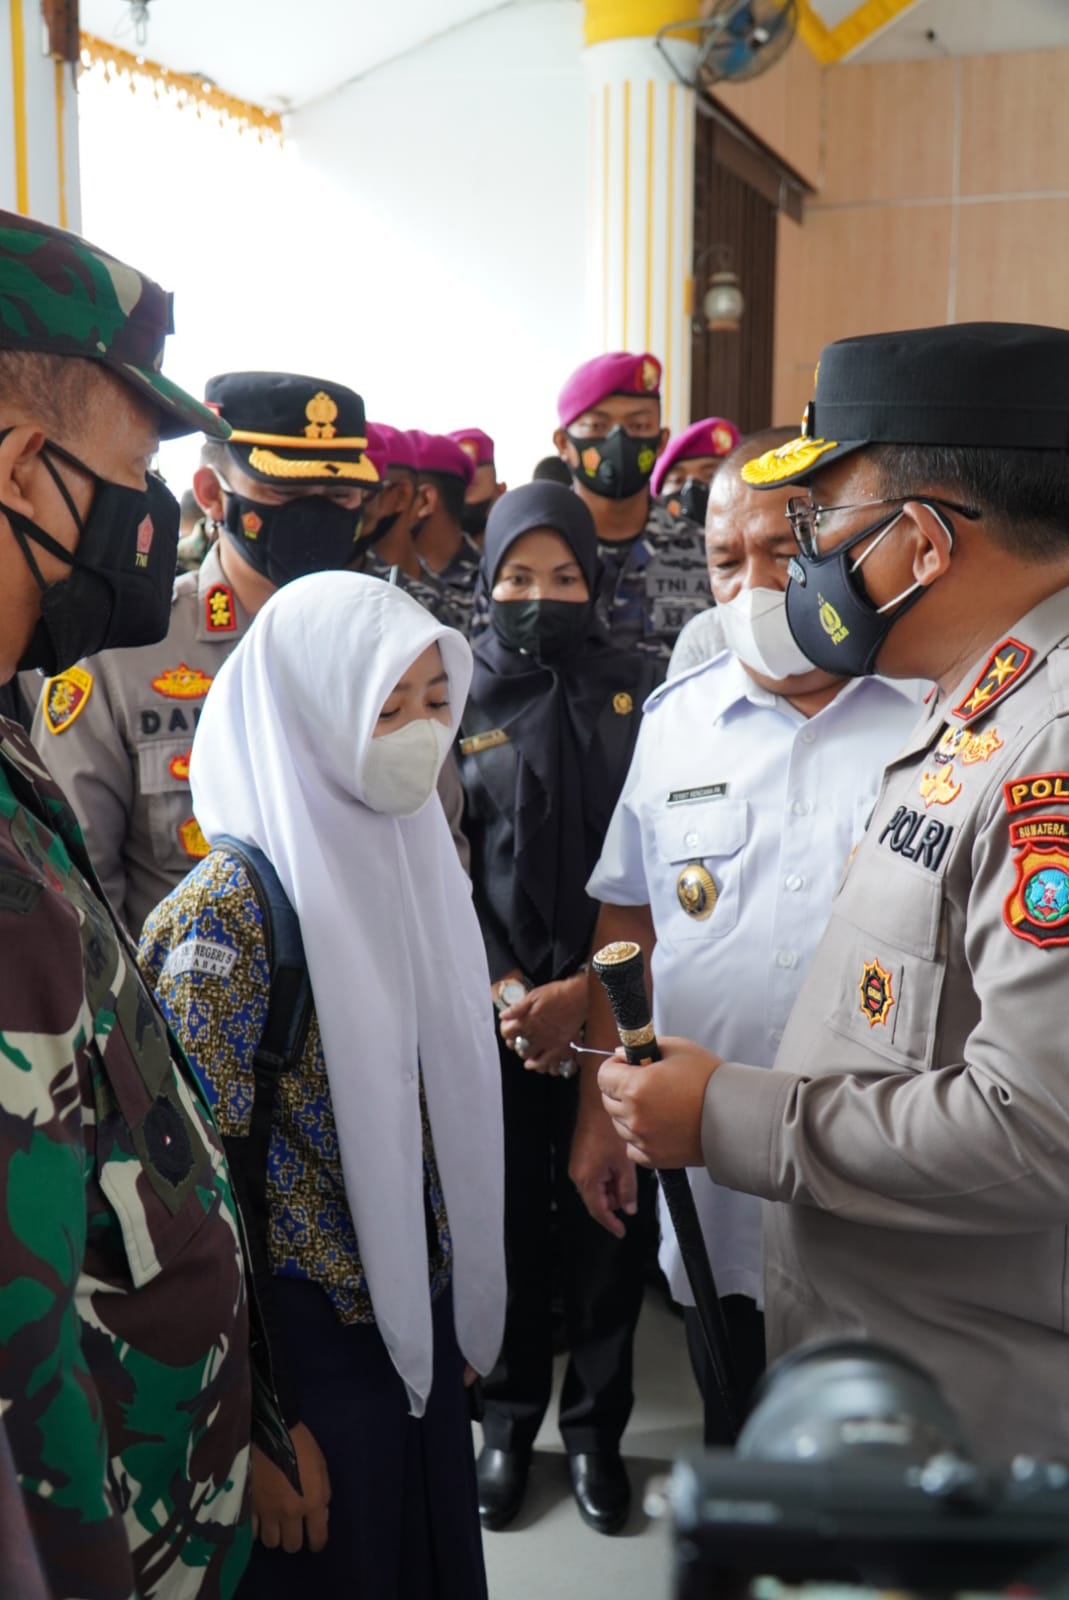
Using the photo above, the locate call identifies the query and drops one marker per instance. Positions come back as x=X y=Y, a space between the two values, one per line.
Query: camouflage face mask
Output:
x=122 y=569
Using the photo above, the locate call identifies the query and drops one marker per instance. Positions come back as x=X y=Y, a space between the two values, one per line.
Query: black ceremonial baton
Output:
x=622 y=971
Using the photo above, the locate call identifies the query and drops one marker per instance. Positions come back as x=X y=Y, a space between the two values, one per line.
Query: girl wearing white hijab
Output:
x=320 y=744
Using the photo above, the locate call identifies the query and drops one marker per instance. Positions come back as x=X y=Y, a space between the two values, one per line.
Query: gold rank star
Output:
x=1003 y=667
x=980 y=696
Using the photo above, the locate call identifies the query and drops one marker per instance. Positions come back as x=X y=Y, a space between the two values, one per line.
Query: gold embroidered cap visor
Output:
x=986 y=385
x=291 y=430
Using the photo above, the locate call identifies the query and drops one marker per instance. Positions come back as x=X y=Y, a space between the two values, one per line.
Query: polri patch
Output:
x=200 y=955
x=220 y=615
x=66 y=697
x=925 y=840
x=1001 y=671
x=705 y=791
x=1037 y=907
x=1035 y=789
x=877 y=994
x=182 y=683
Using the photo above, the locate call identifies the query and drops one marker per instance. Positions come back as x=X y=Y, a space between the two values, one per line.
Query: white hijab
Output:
x=395 y=956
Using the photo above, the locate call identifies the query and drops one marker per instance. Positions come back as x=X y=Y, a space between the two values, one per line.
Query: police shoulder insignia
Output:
x=877 y=994
x=192 y=840
x=66 y=697
x=697 y=891
x=623 y=704
x=1000 y=672
x=1037 y=907
x=798 y=455
x=182 y=683
x=220 y=615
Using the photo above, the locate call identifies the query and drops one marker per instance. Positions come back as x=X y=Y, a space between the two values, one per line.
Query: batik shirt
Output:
x=124 y=1370
x=654 y=584
x=204 y=949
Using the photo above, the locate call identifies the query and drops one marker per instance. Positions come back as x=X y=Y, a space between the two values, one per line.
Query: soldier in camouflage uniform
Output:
x=124 y=1374
x=610 y=436
x=386 y=543
x=288 y=491
x=450 y=560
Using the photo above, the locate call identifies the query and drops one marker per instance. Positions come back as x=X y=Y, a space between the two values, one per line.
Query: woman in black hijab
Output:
x=547 y=740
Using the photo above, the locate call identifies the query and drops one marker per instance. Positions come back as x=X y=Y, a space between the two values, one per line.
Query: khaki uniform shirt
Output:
x=915 y=1128
x=117 y=732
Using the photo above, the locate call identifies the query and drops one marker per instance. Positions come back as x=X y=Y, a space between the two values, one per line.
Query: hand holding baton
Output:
x=621 y=969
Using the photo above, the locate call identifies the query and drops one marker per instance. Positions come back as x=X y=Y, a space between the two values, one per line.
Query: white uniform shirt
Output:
x=771 y=804
x=699 y=641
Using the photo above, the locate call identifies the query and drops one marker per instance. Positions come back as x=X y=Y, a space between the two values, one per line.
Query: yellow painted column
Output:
x=640 y=214
x=38 y=121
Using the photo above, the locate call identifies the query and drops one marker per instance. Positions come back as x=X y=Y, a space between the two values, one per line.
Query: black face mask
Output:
x=119 y=590
x=473 y=517
x=385 y=525
x=312 y=534
x=617 y=466
x=544 y=629
x=832 y=619
x=693 y=500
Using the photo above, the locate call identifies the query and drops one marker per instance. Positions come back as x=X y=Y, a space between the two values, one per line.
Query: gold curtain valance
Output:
x=183 y=91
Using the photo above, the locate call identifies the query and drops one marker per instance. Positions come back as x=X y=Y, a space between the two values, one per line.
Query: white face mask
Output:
x=755 y=629
x=401 y=769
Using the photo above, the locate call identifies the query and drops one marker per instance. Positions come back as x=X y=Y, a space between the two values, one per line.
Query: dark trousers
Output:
x=601 y=1280
x=404 y=1522
x=746 y=1335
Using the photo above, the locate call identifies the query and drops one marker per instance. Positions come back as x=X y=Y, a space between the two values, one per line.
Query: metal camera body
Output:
x=853 y=1469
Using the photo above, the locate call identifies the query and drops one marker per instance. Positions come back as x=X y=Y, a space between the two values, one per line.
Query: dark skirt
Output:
x=404 y=1521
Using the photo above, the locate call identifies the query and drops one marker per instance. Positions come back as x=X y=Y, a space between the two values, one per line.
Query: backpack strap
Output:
x=281 y=1046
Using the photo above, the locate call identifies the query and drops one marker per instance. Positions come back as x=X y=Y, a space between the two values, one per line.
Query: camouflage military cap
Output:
x=62 y=296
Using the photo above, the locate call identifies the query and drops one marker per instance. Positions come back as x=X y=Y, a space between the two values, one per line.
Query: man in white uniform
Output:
x=752 y=780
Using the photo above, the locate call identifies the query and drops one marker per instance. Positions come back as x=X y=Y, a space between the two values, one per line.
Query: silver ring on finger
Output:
x=521 y=1045
x=567 y=1068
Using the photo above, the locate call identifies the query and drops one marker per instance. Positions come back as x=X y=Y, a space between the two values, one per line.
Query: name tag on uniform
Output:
x=479 y=742
x=707 y=791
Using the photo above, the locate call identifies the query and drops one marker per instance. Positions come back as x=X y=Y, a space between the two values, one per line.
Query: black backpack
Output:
x=281 y=1046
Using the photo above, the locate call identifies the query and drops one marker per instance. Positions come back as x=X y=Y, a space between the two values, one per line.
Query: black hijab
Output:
x=564 y=796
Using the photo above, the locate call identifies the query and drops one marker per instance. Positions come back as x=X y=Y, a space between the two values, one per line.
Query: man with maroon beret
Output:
x=484 y=487
x=451 y=560
x=685 y=468
x=610 y=437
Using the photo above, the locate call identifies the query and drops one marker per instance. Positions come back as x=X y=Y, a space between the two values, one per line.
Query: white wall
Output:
x=440 y=236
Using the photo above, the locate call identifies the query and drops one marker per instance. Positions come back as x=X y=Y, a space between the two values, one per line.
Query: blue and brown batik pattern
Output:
x=219 y=1014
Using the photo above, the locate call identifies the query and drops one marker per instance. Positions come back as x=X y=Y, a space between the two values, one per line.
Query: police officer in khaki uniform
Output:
x=288 y=490
x=914 y=1131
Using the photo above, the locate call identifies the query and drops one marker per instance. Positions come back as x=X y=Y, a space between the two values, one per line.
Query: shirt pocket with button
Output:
x=888 y=959
x=711 y=836
x=167 y=803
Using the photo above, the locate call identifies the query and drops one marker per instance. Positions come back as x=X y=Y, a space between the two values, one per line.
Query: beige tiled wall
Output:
x=942 y=195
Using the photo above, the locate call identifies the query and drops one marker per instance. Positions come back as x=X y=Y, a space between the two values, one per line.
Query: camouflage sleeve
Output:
x=21 y=1562
x=203 y=952
x=76 y=731
x=49 y=1403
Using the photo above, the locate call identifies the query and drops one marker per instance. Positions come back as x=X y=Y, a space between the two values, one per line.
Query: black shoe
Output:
x=602 y=1489
x=502 y=1477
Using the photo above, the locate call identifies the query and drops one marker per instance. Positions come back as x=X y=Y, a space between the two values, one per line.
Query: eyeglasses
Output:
x=807 y=519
